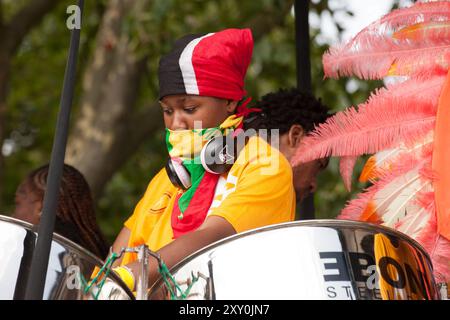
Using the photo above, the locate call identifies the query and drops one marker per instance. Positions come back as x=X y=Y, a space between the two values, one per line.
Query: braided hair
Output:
x=286 y=107
x=75 y=216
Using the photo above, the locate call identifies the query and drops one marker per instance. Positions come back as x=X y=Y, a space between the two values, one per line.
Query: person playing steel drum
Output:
x=188 y=205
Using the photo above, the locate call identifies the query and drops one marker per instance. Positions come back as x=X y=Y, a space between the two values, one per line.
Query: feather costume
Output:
x=405 y=126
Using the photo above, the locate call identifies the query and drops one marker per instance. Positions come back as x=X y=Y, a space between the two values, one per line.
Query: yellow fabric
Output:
x=402 y=254
x=186 y=144
x=126 y=275
x=257 y=191
x=189 y=143
x=231 y=122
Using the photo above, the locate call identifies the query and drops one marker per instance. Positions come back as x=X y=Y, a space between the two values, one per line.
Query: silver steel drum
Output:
x=67 y=264
x=317 y=259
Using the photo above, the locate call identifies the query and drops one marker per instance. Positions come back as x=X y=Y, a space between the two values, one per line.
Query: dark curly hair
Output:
x=286 y=107
x=75 y=215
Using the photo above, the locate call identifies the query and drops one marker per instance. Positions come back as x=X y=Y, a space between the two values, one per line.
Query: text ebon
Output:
x=369 y=274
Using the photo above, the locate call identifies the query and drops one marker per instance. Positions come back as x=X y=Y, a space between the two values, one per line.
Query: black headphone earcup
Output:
x=178 y=174
x=219 y=154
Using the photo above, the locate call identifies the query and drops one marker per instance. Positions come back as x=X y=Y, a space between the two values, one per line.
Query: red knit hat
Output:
x=212 y=64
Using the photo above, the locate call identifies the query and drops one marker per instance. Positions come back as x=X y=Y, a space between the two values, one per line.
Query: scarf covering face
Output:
x=212 y=65
x=184 y=146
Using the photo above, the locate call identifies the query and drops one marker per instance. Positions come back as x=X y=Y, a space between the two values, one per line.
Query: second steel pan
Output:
x=68 y=265
x=317 y=259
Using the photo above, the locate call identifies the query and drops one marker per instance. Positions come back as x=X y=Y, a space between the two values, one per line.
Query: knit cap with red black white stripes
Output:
x=212 y=64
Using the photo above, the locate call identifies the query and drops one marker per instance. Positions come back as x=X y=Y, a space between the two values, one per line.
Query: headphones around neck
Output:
x=217 y=156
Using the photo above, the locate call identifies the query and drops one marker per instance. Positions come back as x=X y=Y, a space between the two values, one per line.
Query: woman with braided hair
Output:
x=75 y=216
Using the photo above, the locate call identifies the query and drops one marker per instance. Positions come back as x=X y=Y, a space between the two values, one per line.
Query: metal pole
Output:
x=142 y=282
x=39 y=265
x=301 y=8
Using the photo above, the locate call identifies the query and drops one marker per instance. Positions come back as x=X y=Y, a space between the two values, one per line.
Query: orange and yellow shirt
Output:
x=256 y=192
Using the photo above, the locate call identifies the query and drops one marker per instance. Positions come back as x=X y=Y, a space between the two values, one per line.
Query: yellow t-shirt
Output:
x=257 y=191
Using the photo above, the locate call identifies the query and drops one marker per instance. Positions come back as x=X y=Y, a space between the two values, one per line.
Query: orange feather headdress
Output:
x=406 y=126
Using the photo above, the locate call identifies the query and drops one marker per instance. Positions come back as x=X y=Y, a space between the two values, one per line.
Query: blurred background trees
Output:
x=116 y=138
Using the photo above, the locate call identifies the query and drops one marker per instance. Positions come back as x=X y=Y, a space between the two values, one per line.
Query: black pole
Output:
x=301 y=7
x=39 y=265
x=302 y=44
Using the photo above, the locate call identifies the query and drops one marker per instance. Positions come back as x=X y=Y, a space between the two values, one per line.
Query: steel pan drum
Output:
x=67 y=264
x=317 y=259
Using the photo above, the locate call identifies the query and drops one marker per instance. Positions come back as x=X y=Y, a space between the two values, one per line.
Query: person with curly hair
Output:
x=294 y=113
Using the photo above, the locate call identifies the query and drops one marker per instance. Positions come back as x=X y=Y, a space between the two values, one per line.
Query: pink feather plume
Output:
x=412 y=42
x=355 y=208
x=382 y=49
x=371 y=128
x=392 y=113
x=346 y=166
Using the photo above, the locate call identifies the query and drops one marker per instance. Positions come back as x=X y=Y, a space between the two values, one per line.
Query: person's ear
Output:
x=231 y=106
x=38 y=208
x=295 y=135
